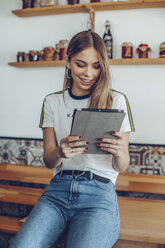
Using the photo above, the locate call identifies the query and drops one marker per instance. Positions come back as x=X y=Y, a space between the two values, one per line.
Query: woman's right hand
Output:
x=55 y=153
x=71 y=146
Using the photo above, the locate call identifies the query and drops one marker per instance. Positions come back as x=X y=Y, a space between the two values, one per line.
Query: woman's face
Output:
x=85 y=70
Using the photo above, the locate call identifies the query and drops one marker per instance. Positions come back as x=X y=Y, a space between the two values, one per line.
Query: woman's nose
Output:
x=88 y=71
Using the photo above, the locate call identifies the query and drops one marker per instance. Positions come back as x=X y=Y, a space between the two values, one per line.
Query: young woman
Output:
x=81 y=198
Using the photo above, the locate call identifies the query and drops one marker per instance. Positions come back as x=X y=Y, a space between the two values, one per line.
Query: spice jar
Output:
x=62 y=49
x=33 y=55
x=28 y=4
x=162 y=50
x=127 y=50
x=57 y=51
x=20 y=57
x=143 y=50
x=48 y=53
x=26 y=57
x=44 y=3
x=73 y=1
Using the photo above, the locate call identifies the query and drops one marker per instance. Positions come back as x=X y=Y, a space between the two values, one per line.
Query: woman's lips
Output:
x=85 y=81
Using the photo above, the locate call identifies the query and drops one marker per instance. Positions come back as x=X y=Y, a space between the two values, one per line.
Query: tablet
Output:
x=93 y=124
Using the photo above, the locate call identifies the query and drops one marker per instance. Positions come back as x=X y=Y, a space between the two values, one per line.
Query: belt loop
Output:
x=91 y=175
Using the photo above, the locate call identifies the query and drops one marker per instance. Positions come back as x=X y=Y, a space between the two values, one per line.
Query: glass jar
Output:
x=143 y=50
x=62 y=49
x=127 y=50
x=95 y=1
x=73 y=1
x=20 y=57
x=28 y=4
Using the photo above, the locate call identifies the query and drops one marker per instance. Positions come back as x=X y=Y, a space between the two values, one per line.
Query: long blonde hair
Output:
x=101 y=95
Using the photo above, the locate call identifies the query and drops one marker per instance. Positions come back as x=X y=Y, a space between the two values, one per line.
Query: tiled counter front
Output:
x=21 y=151
x=147 y=159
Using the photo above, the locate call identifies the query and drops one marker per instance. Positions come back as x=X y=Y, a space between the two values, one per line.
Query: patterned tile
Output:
x=139 y=155
x=163 y=165
x=147 y=159
x=21 y=151
x=158 y=150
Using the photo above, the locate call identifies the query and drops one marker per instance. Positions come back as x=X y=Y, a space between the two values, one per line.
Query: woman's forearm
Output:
x=53 y=158
x=121 y=163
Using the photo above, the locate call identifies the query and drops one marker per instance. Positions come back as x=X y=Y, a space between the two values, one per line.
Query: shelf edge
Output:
x=134 y=61
x=78 y=8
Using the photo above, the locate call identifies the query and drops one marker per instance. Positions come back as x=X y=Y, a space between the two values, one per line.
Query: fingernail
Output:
x=87 y=142
x=98 y=144
x=80 y=137
x=86 y=148
x=101 y=139
x=113 y=132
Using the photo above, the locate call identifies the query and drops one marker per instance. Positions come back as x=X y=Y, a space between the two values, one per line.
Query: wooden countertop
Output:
x=142 y=220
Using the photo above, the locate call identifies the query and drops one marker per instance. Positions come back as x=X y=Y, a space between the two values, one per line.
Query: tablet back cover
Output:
x=93 y=124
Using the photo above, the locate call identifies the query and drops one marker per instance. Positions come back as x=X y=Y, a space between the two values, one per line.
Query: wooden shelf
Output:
x=38 y=64
x=137 y=61
x=149 y=61
x=78 y=8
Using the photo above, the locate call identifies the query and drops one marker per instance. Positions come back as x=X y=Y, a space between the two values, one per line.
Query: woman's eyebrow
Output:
x=79 y=60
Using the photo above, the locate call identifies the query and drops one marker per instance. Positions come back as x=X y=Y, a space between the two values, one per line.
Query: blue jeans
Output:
x=86 y=209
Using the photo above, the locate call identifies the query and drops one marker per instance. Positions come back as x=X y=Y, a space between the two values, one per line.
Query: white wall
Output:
x=22 y=90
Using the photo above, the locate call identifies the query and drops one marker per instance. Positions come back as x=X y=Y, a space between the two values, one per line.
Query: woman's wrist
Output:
x=121 y=163
x=59 y=153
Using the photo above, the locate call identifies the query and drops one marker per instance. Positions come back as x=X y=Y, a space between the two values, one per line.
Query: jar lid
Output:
x=162 y=45
x=126 y=44
x=48 y=48
x=63 y=41
x=33 y=52
x=143 y=45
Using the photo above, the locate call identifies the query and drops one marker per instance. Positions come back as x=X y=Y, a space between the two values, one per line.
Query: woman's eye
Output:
x=80 y=65
x=96 y=66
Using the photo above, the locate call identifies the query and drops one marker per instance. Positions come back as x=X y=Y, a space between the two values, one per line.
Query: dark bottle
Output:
x=108 y=40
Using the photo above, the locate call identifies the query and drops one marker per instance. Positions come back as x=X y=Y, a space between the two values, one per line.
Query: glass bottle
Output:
x=108 y=40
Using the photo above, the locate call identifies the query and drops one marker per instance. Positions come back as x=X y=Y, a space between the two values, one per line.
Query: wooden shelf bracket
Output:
x=91 y=15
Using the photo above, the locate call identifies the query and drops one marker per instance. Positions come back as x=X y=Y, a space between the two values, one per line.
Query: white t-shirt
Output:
x=58 y=113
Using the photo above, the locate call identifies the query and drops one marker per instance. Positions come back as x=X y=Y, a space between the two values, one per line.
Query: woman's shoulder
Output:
x=117 y=95
x=56 y=94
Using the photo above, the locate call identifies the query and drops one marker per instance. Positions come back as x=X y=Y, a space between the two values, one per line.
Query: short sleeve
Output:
x=121 y=102
x=47 y=116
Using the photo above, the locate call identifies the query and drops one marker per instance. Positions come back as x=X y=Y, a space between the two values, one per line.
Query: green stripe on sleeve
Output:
x=129 y=111
x=42 y=115
x=129 y=114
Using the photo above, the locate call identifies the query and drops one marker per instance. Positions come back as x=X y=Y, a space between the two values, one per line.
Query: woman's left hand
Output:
x=118 y=148
x=114 y=146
